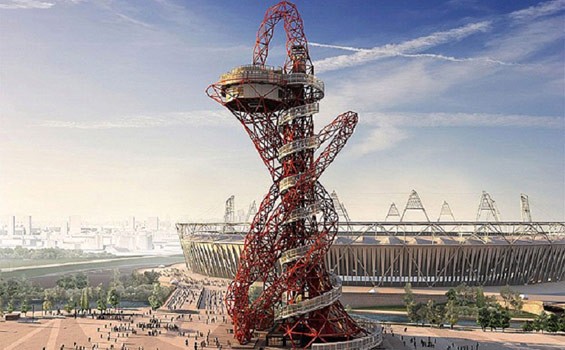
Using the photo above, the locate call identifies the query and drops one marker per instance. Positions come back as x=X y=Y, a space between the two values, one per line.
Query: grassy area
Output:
x=521 y=314
x=12 y=263
x=74 y=268
x=513 y=313
x=383 y=308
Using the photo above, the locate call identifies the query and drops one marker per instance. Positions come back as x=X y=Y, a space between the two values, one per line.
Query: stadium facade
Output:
x=432 y=254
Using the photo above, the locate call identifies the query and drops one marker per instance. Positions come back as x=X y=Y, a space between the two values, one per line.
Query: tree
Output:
x=434 y=313
x=562 y=322
x=113 y=298
x=151 y=277
x=540 y=322
x=47 y=305
x=418 y=313
x=156 y=299
x=511 y=298
x=58 y=295
x=78 y=281
x=66 y=282
x=69 y=306
x=483 y=317
x=452 y=313
x=24 y=307
x=101 y=305
x=451 y=295
x=408 y=295
x=480 y=299
x=503 y=318
x=553 y=323
x=409 y=302
x=528 y=326
x=116 y=282
x=468 y=300
x=81 y=280
x=85 y=299
x=10 y=307
x=493 y=317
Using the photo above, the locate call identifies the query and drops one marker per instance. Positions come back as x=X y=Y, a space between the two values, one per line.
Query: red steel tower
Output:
x=296 y=221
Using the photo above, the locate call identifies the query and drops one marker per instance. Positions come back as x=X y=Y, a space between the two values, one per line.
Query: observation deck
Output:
x=260 y=89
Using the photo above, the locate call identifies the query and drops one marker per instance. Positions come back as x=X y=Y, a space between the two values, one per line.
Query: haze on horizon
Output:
x=103 y=112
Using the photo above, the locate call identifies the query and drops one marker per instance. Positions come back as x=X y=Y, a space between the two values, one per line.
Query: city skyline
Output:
x=103 y=112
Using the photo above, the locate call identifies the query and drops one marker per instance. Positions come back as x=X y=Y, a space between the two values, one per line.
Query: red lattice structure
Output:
x=296 y=221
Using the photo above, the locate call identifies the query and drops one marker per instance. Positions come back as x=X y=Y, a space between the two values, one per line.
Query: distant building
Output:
x=75 y=225
x=153 y=223
x=144 y=242
x=27 y=225
x=64 y=228
x=11 y=225
x=131 y=223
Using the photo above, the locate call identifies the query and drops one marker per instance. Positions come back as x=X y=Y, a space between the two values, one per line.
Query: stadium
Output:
x=485 y=252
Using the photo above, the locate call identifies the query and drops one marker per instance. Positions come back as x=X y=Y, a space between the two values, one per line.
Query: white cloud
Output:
x=543 y=9
x=389 y=85
x=411 y=48
x=407 y=47
x=381 y=138
x=393 y=128
x=132 y=20
x=25 y=4
x=438 y=38
x=418 y=120
x=523 y=41
x=420 y=55
x=195 y=118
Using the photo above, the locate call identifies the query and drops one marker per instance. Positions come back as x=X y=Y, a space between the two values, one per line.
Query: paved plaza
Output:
x=400 y=337
x=195 y=316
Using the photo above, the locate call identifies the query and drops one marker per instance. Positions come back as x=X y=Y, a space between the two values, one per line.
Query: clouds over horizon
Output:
x=33 y=4
x=362 y=56
x=107 y=99
x=394 y=82
x=210 y=118
x=393 y=128
x=543 y=9
x=388 y=129
x=511 y=51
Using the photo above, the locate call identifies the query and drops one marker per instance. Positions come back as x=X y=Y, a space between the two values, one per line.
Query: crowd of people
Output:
x=182 y=295
x=195 y=309
x=424 y=342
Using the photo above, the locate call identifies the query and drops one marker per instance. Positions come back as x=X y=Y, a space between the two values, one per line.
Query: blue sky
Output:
x=103 y=112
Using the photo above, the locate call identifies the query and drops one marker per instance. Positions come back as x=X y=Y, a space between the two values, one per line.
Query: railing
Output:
x=300 y=111
x=293 y=254
x=374 y=339
x=365 y=343
x=299 y=145
x=271 y=75
x=312 y=304
x=303 y=213
x=304 y=79
x=251 y=73
x=288 y=182
x=458 y=230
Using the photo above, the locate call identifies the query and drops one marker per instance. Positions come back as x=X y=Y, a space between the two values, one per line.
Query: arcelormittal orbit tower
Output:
x=296 y=221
